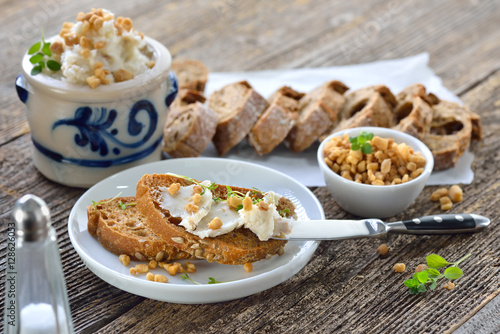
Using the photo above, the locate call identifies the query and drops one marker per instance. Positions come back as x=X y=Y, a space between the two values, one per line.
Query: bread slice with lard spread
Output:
x=162 y=198
x=121 y=229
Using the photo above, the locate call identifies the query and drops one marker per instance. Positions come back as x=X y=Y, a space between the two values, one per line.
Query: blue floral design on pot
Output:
x=98 y=132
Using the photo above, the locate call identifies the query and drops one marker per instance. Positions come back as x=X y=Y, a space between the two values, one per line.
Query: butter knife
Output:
x=372 y=227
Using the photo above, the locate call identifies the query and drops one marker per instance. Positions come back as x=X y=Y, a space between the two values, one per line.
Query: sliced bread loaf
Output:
x=413 y=114
x=450 y=133
x=191 y=74
x=187 y=96
x=318 y=112
x=370 y=106
x=189 y=129
x=237 y=247
x=238 y=107
x=125 y=231
x=276 y=121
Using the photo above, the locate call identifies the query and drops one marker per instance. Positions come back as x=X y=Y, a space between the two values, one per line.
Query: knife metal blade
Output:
x=372 y=227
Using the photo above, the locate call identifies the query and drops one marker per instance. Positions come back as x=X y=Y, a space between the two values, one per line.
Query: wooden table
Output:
x=346 y=287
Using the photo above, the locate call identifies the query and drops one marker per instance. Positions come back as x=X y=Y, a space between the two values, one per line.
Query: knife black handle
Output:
x=446 y=224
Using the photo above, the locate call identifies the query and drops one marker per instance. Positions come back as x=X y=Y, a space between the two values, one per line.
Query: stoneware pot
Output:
x=82 y=135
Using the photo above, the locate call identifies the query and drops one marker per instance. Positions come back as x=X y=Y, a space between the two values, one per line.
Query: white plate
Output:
x=237 y=282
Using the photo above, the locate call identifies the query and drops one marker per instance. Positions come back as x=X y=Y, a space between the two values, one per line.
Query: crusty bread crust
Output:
x=450 y=134
x=191 y=74
x=318 y=111
x=127 y=232
x=189 y=129
x=239 y=107
x=187 y=96
x=237 y=247
x=276 y=121
x=413 y=113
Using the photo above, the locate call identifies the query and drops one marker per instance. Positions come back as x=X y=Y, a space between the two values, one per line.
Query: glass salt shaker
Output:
x=36 y=298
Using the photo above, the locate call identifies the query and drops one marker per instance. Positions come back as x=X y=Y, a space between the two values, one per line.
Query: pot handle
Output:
x=21 y=88
x=174 y=88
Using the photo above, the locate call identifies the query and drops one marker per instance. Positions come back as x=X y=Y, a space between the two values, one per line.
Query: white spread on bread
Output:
x=263 y=223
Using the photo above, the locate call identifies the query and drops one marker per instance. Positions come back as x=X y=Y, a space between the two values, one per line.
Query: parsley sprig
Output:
x=39 y=51
x=361 y=142
x=430 y=276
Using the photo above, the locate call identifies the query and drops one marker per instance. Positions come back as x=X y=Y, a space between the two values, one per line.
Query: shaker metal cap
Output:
x=32 y=217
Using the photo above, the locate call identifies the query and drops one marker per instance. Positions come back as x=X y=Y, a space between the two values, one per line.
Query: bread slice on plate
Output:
x=276 y=121
x=125 y=231
x=318 y=112
x=189 y=129
x=370 y=106
x=239 y=107
x=413 y=114
x=191 y=74
x=450 y=133
x=237 y=247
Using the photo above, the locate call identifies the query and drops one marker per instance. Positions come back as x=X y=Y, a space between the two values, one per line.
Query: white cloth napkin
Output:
x=395 y=74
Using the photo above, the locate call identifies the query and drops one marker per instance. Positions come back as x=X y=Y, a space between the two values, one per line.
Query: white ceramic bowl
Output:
x=83 y=135
x=376 y=201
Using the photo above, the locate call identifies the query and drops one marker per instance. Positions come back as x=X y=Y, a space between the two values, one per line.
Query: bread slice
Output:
x=276 y=121
x=191 y=74
x=239 y=107
x=318 y=112
x=125 y=231
x=189 y=129
x=413 y=114
x=237 y=247
x=187 y=96
x=370 y=106
x=450 y=133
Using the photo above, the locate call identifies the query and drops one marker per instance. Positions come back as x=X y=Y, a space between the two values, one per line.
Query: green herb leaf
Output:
x=36 y=58
x=53 y=65
x=104 y=202
x=239 y=207
x=421 y=288
x=124 y=206
x=185 y=276
x=34 y=48
x=433 y=273
x=422 y=276
x=36 y=70
x=411 y=283
x=212 y=280
x=436 y=261
x=362 y=142
x=366 y=148
x=429 y=277
x=284 y=212
x=453 y=273
x=46 y=49
x=41 y=64
x=217 y=199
